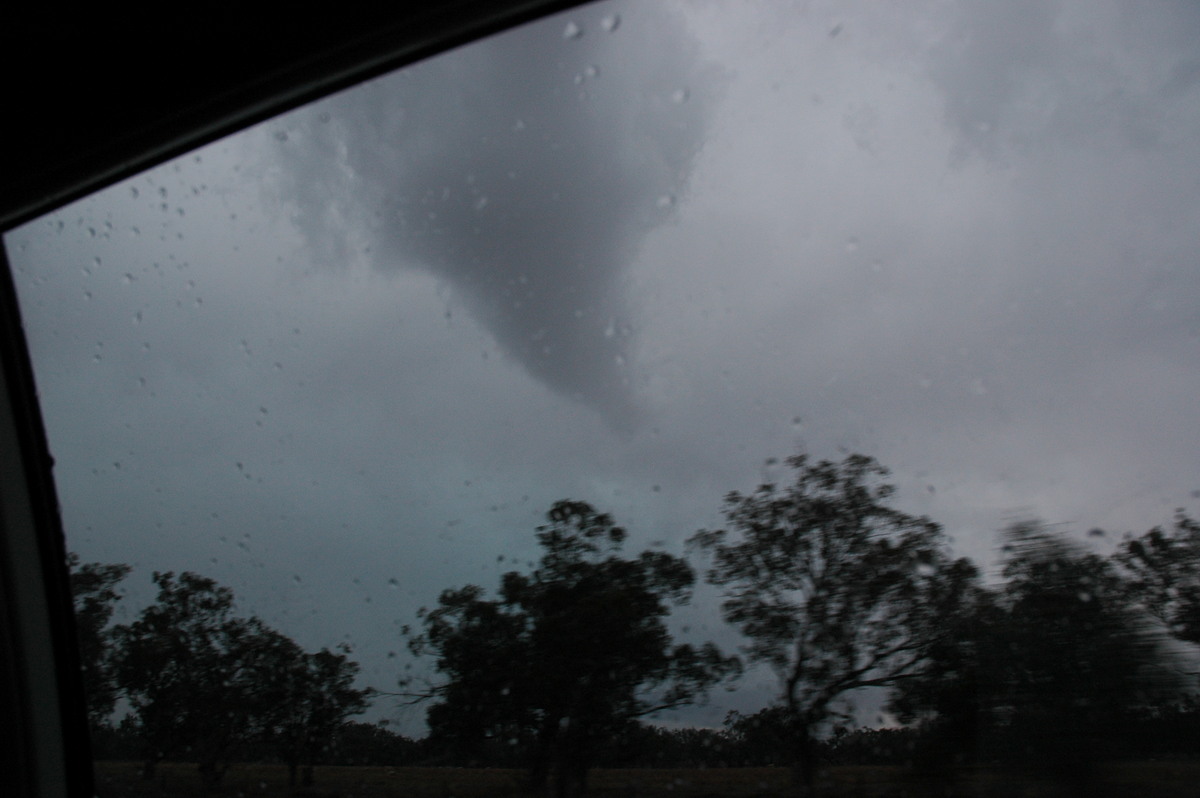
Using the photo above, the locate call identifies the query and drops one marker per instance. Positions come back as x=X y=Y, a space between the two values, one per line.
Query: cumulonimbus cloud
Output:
x=524 y=172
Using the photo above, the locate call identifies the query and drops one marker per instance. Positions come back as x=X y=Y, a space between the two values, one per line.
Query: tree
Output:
x=93 y=586
x=952 y=701
x=1163 y=572
x=1077 y=661
x=834 y=589
x=1047 y=670
x=567 y=655
x=319 y=696
x=200 y=681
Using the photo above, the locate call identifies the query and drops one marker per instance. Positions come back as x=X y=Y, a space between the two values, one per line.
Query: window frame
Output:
x=172 y=96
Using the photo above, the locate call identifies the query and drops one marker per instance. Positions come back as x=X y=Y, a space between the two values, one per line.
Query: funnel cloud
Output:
x=524 y=174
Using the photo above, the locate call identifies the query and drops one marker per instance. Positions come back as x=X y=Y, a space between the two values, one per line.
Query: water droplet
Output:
x=481 y=203
x=281 y=135
x=572 y=31
x=394 y=583
x=620 y=361
x=656 y=488
x=137 y=317
x=852 y=244
x=323 y=117
x=591 y=71
x=926 y=569
x=127 y=278
x=666 y=201
x=797 y=424
x=680 y=96
x=162 y=191
x=611 y=23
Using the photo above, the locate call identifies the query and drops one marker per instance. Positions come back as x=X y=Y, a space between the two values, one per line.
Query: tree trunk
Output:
x=804 y=770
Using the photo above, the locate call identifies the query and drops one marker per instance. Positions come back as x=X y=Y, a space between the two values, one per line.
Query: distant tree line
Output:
x=203 y=684
x=1073 y=657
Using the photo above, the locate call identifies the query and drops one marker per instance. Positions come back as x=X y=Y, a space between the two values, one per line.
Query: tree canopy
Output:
x=202 y=681
x=832 y=587
x=568 y=654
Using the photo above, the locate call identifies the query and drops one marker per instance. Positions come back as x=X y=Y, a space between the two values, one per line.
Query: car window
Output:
x=741 y=393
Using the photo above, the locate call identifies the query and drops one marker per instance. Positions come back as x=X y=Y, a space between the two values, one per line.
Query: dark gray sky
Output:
x=349 y=358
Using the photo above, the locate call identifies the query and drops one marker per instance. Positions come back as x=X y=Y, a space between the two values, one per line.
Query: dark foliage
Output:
x=205 y=685
x=567 y=656
x=1163 y=573
x=833 y=588
x=93 y=586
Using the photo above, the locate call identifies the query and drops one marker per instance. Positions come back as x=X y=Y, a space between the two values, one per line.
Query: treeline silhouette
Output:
x=1073 y=658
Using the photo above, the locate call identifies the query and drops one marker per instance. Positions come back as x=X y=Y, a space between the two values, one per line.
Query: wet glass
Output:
x=637 y=256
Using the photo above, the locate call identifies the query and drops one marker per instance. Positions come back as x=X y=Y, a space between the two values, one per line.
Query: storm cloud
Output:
x=349 y=358
x=524 y=172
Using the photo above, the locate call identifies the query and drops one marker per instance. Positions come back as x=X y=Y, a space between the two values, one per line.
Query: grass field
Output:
x=1166 y=779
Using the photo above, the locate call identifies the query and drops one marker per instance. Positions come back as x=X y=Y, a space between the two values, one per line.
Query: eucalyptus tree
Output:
x=568 y=654
x=833 y=588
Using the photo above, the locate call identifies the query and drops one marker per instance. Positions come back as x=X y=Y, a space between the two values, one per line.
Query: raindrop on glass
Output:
x=611 y=23
x=572 y=31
